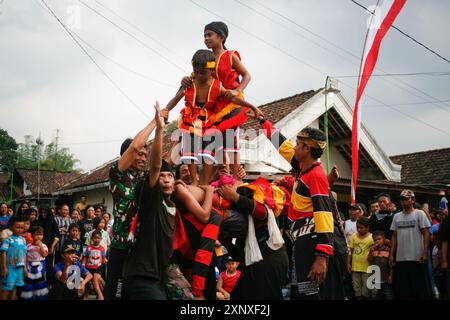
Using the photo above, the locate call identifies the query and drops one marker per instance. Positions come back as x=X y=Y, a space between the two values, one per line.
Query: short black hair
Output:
x=96 y=233
x=37 y=229
x=97 y=221
x=378 y=233
x=371 y=202
x=363 y=221
x=125 y=145
x=384 y=195
x=14 y=219
x=3 y=203
x=74 y=225
x=201 y=58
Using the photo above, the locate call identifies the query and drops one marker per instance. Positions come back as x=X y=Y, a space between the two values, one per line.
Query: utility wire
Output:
x=346 y=51
x=316 y=69
x=135 y=38
x=406 y=35
x=121 y=65
x=93 y=60
x=138 y=29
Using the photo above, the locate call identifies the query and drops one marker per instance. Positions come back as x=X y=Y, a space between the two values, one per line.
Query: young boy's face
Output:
x=231 y=266
x=17 y=228
x=38 y=236
x=74 y=233
x=379 y=240
x=362 y=230
x=70 y=256
x=26 y=226
x=96 y=240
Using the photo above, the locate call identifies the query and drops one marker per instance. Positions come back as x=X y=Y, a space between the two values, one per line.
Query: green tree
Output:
x=8 y=148
x=51 y=157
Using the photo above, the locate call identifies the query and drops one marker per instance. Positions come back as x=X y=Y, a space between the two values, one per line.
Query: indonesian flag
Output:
x=385 y=13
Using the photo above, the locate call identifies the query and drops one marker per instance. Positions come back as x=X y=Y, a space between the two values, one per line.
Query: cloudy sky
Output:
x=289 y=46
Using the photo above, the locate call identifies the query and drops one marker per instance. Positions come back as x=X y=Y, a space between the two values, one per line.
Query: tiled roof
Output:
x=277 y=110
x=426 y=167
x=50 y=181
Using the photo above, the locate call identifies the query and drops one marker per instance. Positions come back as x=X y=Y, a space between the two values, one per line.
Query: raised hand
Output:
x=158 y=116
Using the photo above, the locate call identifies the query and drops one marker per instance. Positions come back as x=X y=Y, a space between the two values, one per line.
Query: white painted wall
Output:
x=96 y=196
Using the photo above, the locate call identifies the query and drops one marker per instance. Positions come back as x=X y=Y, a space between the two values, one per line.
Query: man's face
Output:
x=4 y=209
x=185 y=174
x=167 y=182
x=140 y=160
x=374 y=207
x=83 y=199
x=65 y=211
x=301 y=150
x=406 y=203
x=90 y=213
x=354 y=214
x=384 y=203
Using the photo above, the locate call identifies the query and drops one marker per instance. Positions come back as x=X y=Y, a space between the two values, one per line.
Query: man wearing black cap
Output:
x=409 y=250
x=148 y=258
x=124 y=176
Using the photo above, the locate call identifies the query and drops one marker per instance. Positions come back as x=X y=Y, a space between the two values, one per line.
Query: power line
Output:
x=121 y=65
x=432 y=74
x=346 y=51
x=316 y=69
x=406 y=35
x=138 y=29
x=408 y=104
x=134 y=37
x=93 y=60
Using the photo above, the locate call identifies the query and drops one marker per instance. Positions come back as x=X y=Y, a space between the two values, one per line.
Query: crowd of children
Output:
x=36 y=247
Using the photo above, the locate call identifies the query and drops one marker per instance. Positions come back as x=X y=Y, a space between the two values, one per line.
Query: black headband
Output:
x=218 y=27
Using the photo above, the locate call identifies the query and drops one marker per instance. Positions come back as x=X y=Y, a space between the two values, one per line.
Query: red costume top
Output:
x=225 y=72
x=195 y=118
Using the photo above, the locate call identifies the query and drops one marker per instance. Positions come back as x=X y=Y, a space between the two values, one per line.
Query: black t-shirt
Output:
x=381 y=220
x=149 y=255
x=86 y=227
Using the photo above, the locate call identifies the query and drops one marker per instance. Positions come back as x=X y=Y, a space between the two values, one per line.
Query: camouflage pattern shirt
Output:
x=123 y=189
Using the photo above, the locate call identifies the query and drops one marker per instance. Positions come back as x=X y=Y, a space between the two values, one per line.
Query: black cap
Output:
x=125 y=145
x=68 y=248
x=229 y=259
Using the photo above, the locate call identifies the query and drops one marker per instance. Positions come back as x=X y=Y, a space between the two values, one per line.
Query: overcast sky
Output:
x=47 y=83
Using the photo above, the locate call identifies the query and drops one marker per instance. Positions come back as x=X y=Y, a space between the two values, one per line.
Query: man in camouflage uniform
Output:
x=124 y=176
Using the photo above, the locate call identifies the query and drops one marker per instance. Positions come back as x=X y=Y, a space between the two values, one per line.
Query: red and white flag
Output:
x=380 y=22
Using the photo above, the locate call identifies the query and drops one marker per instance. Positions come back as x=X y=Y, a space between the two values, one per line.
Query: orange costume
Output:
x=228 y=115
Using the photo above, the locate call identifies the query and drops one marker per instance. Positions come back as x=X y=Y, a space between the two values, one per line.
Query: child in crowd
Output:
x=357 y=260
x=379 y=256
x=99 y=225
x=26 y=227
x=66 y=285
x=203 y=100
x=227 y=279
x=108 y=224
x=35 y=284
x=74 y=240
x=354 y=213
x=13 y=255
x=95 y=260
x=87 y=225
x=33 y=217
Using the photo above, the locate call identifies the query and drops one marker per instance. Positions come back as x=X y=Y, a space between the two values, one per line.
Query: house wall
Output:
x=96 y=196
